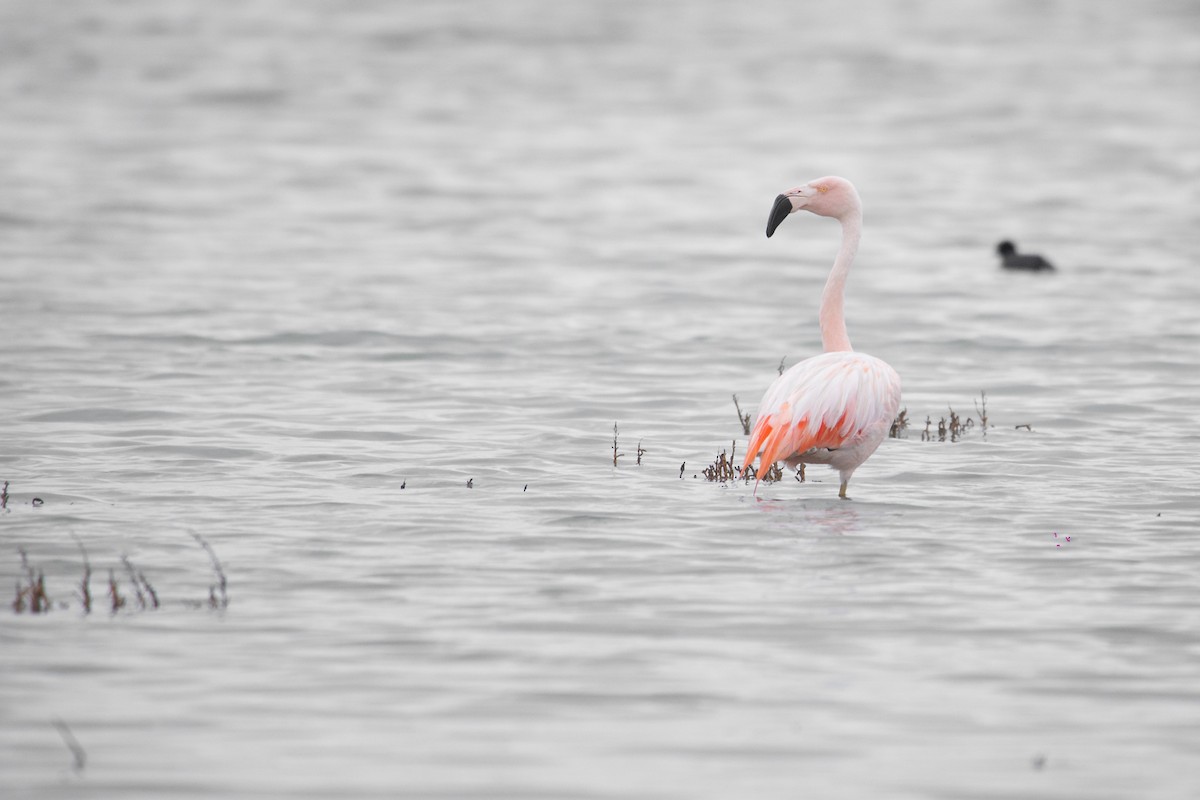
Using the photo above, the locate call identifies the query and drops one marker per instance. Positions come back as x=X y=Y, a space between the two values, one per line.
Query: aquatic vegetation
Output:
x=744 y=419
x=85 y=592
x=952 y=428
x=72 y=744
x=141 y=587
x=114 y=593
x=213 y=600
x=33 y=597
x=616 y=453
x=724 y=470
x=32 y=594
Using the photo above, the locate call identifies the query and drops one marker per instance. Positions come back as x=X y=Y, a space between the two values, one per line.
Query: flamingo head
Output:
x=826 y=197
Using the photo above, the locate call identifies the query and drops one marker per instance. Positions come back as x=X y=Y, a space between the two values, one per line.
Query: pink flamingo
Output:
x=835 y=408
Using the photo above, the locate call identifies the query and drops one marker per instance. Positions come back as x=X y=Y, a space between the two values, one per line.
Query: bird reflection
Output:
x=837 y=520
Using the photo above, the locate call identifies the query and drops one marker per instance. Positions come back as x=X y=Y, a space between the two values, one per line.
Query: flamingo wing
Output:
x=828 y=401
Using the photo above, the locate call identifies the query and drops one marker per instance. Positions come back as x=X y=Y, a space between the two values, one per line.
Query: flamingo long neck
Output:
x=833 y=299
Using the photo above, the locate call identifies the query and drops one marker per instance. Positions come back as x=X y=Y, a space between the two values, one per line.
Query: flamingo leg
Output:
x=842 y=491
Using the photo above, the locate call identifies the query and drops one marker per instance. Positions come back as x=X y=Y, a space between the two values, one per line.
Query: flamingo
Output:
x=835 y=408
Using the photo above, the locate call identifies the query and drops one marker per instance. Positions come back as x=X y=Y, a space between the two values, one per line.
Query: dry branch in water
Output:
x=724 y=470
x=981 y=410
x=141 y=586
x=32 y=595
x=114 y=594
x=213 y=600
x=743 y=419
x=954 y=428
x=85 y=591
x=72 y=744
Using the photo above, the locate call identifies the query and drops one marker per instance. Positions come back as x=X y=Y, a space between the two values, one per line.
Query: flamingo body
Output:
x=835 y=408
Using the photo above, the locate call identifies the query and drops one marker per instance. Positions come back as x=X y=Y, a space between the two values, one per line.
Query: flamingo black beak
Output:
x=779 y=212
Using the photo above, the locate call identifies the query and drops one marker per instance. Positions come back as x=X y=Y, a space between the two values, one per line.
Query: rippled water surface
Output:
x=356 y=293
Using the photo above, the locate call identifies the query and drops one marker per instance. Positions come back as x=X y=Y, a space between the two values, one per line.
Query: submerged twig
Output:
x=952 y=429
x=723 y=469
x=137 y=588
x=114 y=594
x=85 y=591
x=981 y=410
x=743 y=419
x=616 y=455
x=141 y=586
x=213 y=600
x=957 y=426
x=34 y=594
x=72 y=744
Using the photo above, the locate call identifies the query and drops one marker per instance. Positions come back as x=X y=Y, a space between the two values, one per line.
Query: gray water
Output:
x=289 y=276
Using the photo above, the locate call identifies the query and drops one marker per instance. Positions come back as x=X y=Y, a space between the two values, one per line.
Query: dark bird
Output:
x=1011 y=259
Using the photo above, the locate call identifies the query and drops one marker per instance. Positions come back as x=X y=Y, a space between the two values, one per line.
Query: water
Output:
x=289 y=275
